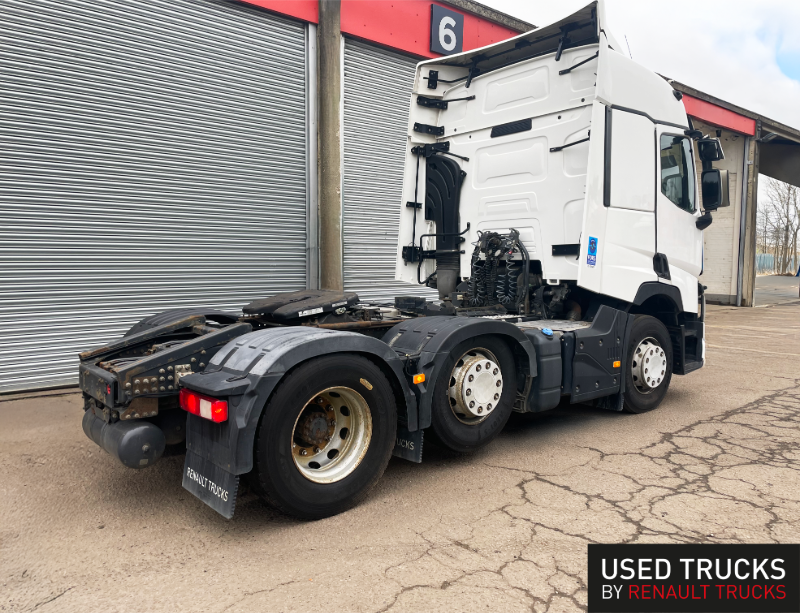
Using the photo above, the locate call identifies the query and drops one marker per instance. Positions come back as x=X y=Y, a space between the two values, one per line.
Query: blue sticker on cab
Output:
x=591 y=258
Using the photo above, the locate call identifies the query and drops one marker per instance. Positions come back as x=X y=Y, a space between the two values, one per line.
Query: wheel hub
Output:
x=648 y=365
x=315 y=429
x=476 y=385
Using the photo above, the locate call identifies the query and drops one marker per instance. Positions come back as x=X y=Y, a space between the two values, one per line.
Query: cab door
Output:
x=679 y=244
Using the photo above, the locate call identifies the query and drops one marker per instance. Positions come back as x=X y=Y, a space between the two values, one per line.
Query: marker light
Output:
x=420 y=378
x=617 y=364
x=206 y=407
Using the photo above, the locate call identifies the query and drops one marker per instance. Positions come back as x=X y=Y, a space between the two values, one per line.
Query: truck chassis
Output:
x=425 y=366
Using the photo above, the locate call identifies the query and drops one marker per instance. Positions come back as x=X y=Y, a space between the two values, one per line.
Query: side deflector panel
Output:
x=442 y=193
x=619 y=223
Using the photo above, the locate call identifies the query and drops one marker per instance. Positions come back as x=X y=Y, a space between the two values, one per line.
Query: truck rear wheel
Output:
x=325 y=437
x=649 y=368
x=474 y=394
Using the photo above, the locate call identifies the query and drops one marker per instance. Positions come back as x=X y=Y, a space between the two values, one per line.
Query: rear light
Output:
x=204 y=406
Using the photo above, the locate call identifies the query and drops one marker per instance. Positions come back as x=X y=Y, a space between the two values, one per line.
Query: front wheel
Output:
x=649 y=368
x=325 y=437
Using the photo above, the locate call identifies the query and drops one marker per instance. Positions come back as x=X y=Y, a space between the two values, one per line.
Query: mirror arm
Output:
x=704 y=221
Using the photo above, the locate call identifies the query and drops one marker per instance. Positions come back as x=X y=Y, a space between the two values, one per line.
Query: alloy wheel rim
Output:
x=476 y=386
x=331 y=435
x=648 y=365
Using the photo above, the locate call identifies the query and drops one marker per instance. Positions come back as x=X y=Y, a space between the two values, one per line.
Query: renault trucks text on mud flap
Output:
x=550 y=197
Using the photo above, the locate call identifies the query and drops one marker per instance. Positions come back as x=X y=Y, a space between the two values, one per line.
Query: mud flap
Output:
x=211 y=484
x=408 y=445
x=615 y=402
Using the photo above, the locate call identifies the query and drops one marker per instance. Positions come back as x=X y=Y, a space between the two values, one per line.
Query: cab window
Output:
x=677 y=171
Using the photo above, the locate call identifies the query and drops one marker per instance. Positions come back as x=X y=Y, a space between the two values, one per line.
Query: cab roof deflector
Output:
x=579 y=29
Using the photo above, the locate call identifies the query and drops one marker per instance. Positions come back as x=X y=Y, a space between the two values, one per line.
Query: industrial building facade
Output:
x=163 y=154
x=174 y=153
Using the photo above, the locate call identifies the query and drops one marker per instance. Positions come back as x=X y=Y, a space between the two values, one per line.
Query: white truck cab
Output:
x=588 y=155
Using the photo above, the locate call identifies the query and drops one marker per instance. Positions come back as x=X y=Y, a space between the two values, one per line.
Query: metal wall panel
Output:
x=153 y=156
x=377 y=90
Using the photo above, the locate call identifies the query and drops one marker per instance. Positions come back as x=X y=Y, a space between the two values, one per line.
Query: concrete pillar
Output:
x=750 y=222
x=329 y=88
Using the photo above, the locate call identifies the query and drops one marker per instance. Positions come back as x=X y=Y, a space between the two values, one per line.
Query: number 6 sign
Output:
x=447 y=30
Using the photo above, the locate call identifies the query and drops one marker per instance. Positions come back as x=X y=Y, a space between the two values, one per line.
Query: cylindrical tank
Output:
x=137 y=443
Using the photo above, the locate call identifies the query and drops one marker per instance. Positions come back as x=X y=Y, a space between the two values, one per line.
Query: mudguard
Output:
x=426 y=343
x=247 y=370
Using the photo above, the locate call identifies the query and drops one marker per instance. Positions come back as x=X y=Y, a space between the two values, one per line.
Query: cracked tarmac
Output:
x=504 y=529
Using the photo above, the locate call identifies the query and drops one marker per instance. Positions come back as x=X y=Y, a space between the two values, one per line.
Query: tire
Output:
x=278 y=468
x=638 y=400
x=165 y=317
x=467 y=433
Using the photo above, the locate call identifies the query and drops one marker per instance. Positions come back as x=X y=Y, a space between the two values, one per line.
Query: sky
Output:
x=744 y=52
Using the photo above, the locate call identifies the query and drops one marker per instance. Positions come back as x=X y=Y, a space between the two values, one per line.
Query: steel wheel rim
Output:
x=331 y=435
x=474 y=400
x=648 y=365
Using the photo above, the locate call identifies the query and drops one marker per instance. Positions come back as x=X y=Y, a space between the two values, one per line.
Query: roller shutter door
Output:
x=377 y=92
x=153 y=157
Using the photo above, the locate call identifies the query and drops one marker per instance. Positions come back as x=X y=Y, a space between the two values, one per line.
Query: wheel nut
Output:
x=497 y=396
x=332 y=422
x=489 y=406
x=471 y=378
x=478 y=368
x=480 y=409
x=316 y=449
x=488 y=365
x=471 y=404
x=303 y=452
x=499 y=383
x=469 y=392
x=495 y=371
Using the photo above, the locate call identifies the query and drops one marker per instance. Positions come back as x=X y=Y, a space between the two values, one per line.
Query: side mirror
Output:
x=710 y=150
x=714 y=184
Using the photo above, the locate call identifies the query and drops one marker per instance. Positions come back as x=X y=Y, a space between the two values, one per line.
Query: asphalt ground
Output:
x=775 y=289
x=504 y=529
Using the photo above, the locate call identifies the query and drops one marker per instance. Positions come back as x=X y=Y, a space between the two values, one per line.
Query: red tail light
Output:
x=204 y=406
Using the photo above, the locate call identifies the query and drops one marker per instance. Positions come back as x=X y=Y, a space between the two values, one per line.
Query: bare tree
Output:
x=778 y=224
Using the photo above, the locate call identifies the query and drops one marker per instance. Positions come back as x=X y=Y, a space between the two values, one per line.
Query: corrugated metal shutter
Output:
x=377 y=91
x=153 y=157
